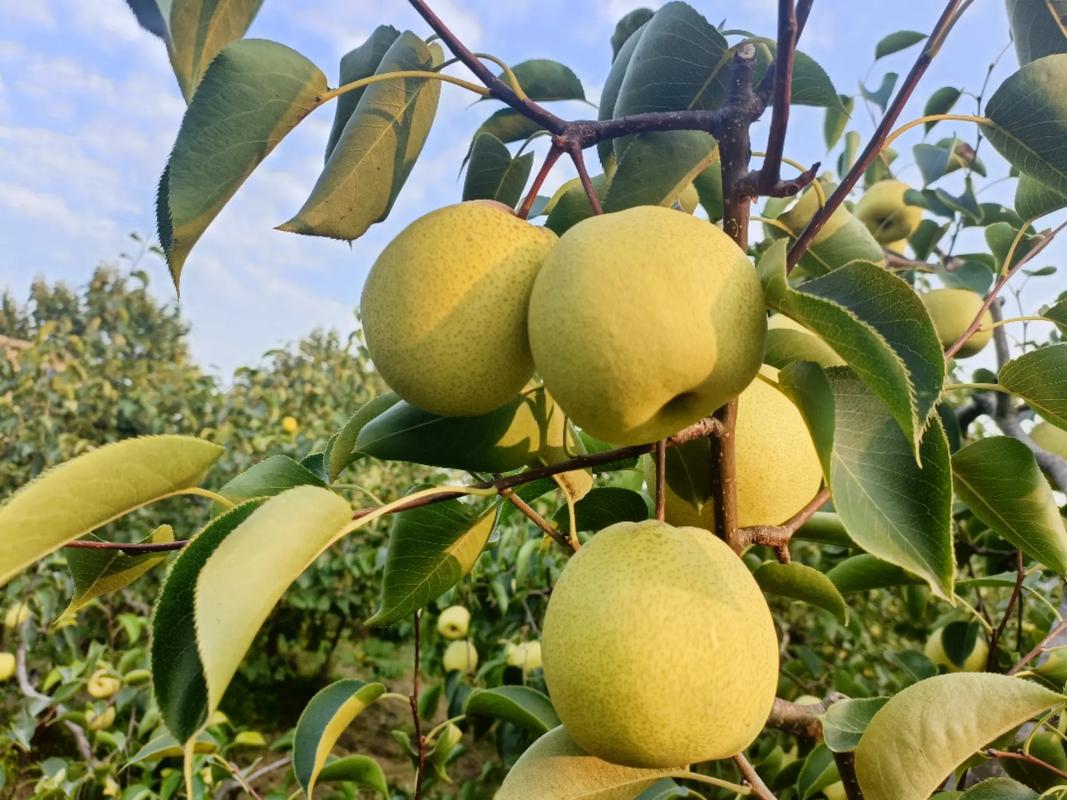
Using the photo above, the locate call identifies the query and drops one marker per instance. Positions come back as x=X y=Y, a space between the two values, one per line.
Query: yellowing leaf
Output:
x=198 y=29
x=93 y=489
x=923 y=733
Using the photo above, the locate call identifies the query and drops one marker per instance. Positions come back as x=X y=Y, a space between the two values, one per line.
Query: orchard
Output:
x=679 y=481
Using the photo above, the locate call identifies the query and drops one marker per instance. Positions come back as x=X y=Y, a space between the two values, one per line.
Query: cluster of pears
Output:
x=460 y=655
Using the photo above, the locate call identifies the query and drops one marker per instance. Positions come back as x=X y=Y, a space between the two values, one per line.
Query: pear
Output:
x=555 y=768
x=688 y=199
x=975 y=660
x=788 y=340
x=835 y=791
x=777 y=467
x=883 y=210
x=454 y=622
x=444 y=307
x=103 y=684
x=1049 y=437
x=953 y=311
x=525 y=655
x=17 y=614
x=659 y=649
x=460 y=656
x=7 y=666
x=643 y=321
x=898 y=246
x=102 y=721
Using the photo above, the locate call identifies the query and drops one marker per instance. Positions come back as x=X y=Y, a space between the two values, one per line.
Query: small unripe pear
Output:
x=444 y=307
x=103 y=685
x=835 y=791
x=454 y=622
x=689 y=198
x=102 y=721
x=525 y=655
x=7 y=666
x=883 y=210
x=17 y=614
x=1049 y=437
x=460 y=656
x=974 y=662
x=953 y=311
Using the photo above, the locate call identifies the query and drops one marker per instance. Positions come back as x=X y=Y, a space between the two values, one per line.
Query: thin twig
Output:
x=550 y=161
x=724 y=472
x=782 y=83
x=575 y=152
x=421 y=770
x=1028 y=758
x=537 y=519
x=1020 y=575
x=800 y=720
x=661 y=479
x=778 y=536
x=752 y=778
x=1039 y=648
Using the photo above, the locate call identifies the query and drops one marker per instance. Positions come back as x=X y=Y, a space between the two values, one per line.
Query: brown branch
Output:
x=1028 y=758
x=752 y=778
x=1039 y=648
x=575 y=151
x=779 y=536
x=550 y=161
x=874 y=146
x=782 y=73
x=744 y=107
x=846 y=770
x=421 y=769
x=660 y=454
x=724 y=477
x=1020 y=574
x=797 y=719
x=803 y=9
x=537 y=519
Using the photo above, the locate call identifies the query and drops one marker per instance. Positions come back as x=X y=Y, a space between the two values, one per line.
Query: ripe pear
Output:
x=103 y=684
x=555 y=768
x=883 y=210
x=659 y=649
x=1049 y=437
x=444 y=307
x=975 y=660
x=7 y=666
x=953 y=311
x=898 y=246
x=788 y=340
x=644 y=321
x=461 y=656
x=525 y=655
x=454 y=622
x=688 y=198
x=777 y=466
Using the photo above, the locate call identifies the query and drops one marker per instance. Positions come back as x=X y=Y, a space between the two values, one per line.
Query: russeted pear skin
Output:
x=444 y=308
x=659 y=649
x=555 y=768
x=644 y=321
x=953 y=311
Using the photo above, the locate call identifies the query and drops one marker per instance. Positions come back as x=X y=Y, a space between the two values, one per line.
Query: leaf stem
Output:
x=982 y=387
x=686 y=775
x=753 y=781
x=404 y=73
x=1033 y=318
x=892 y=137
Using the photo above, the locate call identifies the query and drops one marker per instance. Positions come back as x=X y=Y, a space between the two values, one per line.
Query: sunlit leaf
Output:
x=519 y=705
x=1037 y=377
x=361 y=62
x=896 y=41
x=1038 y=28
x=801 y=582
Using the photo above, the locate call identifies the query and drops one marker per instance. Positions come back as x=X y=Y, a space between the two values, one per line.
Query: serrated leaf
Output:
x=893 y=505
x=492 y=174
x=222 y=587
x=1037 y=377
x=267 y=478
x=519 y=705
x=361 y=770
x=1034 y=199
x=845 y=721
x=377 y=149
x=198 y=29
x=323 y=721
x=166 y=746
x=881 y=95
x=801 y=582
x=999 y=789
x=1037 y=28
x=895 y=42
x=999 y=480
x=430 y=549
x=341 y=450
x=924 y=732
x=876 y=323
x=572 y=204
x=603 y=506
x=818 y=772
x=811 y=85
x=100 y=572
x=543 y=79
x=356 y=64
x=864 y=572
x=1028 y=114
x=252 y=95
x=93 y=489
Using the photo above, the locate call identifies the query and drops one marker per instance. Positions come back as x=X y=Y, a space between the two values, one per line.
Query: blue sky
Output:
x=89 y=109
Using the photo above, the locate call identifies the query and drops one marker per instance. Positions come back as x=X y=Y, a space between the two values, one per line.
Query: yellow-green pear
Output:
x=835 y=791
x=883 y=210
x=974 y=662
x=555 y=768
x=777 y=466
x=454 y=622
x=102 y=721
x=953 y=311
x=525 y=655
x=807 y=700
x=659 y=649
x=7 y=666
x=444 y=307
x=689 y=198
x=798 y=216
x=788 y=341
x=898 y=246
x=461 y=656
x=644 y=321
x=1049 y=437
x=103 y=684
x=17 y=614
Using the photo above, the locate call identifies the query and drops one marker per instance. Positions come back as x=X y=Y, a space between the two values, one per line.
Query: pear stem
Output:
x=550 y=161
x=754 y=782
x=661 y=480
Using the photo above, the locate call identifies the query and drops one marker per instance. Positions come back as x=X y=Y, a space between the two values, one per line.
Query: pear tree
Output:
x=721 y=383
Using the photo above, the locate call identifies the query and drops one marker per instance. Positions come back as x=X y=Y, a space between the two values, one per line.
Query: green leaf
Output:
x=1037 y=377
x=492 y=174
x=897 y=758
x=510 y=437
x=665 y=789
x=1029 y=120
x=1057 y=313
x=542 y=79
x=818 y=772
x=937 y=160
x=603 y=506
x=430 y=549
x=252 y=95
x=572 y=204
x=999 y=480
x=837 y=117
x=626 y=27
x=894 y=505
x=824 y=527
x=845 y=721
x=149 y=17
x=876 y=323
x=377 y=149
x=198 y=29
x=940 y=102
x=341 y=450
x=999 y=789
x=362 y=62
x=811 y=85
x=652 y=169
x=221 y=589
x=322 y=723
x=93 y=489
x=166 y=746
x=508 y=126
x=864 y=572
x=1034 y=199
x=267 y=478
x=895 y=42
x=801 y=582
x=519 y=705
x=609 y=95
x=1037 y=28
x=881 y=95
x=100 y=572
x=361 y=770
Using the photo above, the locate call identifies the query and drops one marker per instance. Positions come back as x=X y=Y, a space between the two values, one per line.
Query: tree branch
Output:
x=1039 y=648
x=414 y=699
x=1020 y=574
x=550 y=161
x=797 y=719
x=537 y=519
x=1028 y=758
x=782 y=84
x=752 y=778
x=846 y=770
x=779 y=536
